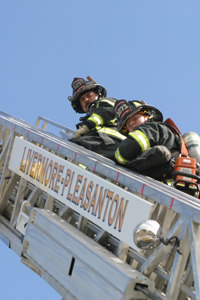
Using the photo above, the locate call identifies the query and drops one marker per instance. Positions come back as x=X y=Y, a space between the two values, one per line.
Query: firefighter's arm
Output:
x=81 y=131
x=102 y=114
x=83 y=128
x=136 y=143
x=141 y=139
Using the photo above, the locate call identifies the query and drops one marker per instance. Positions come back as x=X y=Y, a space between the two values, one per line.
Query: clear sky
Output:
x=137 y=49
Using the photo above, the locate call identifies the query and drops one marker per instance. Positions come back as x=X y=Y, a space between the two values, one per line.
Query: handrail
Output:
x=144 y=185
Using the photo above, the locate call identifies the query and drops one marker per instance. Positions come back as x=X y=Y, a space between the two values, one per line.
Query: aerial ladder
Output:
x=82 y=223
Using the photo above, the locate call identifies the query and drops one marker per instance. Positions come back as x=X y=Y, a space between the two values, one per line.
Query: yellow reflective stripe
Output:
x=96 y=119
x=113 y=122
x=113 y=133
x=108 y=101
x=141 y=138
x=136 y=103
x=119 y=158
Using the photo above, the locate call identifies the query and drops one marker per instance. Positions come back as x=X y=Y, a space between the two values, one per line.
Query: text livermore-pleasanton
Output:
x=108 y=206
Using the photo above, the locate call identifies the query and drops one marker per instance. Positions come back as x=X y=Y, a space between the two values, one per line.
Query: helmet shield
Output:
x=124 y=110
x=80 y=86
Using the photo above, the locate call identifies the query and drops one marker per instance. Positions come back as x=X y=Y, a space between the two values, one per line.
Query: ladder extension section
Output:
x=70 y=215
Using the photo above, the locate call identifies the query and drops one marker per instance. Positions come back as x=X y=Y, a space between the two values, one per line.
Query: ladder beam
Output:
x=179 y=264
x=19 y=198
x=135 y=182
x=194 y=234
x=92 y=273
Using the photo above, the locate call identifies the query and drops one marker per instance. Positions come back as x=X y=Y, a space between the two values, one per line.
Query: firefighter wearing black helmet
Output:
x=97 y=132
x=80 y=87
x=150 y=144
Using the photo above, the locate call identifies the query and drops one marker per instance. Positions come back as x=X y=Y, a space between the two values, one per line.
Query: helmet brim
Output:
x=157 y=115
x=91 y=86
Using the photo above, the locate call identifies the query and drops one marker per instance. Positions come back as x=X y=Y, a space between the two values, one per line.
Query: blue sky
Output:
x=137 y=49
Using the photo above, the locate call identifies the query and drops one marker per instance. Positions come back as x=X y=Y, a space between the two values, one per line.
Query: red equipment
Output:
x=185 y=169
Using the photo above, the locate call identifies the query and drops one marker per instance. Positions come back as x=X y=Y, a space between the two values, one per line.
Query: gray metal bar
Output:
x=52 y=123
x=179 y=264
x=153 y=260
x=194 y=233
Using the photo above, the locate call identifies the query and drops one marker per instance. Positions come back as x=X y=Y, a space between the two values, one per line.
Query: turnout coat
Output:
x=103 y=137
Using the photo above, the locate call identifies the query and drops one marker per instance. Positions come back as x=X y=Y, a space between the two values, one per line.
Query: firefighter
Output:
x=151 y=147
x=97 y=131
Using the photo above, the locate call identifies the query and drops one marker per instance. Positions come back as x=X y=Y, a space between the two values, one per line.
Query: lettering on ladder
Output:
x=102 y=203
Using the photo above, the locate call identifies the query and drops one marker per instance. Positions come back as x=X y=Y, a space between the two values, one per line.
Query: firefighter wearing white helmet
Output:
x=151 y=147
x=97 y=131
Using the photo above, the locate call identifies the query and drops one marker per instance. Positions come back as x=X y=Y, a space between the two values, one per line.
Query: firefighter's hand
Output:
x=82 y=130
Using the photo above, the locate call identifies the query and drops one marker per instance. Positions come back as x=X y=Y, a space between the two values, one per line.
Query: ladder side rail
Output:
x=37 y=135
x=34 y=128
x=4 y=151
x=5 y=172
x=27 y=126
x=179 y=264
x=46 y=120
x=92 y=153
x=76 y=147
x=40 y=118
x=135 y=182
x=194 y=233
x=15 y=119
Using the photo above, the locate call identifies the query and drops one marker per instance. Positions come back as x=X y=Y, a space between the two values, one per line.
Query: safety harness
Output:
x=159 y=163
x=185 y=172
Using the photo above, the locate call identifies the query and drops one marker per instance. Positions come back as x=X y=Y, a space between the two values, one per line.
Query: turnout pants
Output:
x=98 y=142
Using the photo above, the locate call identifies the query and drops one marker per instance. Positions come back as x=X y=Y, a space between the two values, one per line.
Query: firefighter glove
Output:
x=82 y=130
